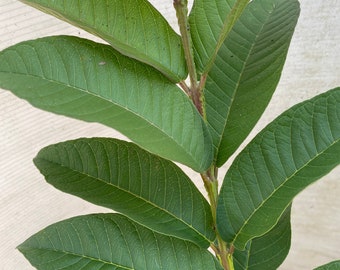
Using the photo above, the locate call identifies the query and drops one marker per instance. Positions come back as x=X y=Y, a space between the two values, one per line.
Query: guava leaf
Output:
x=247 y=70
x=92 y=82
x=133 y=27
x=206 y=21
x=292 y=152
x=330 y=266
x=111 y=241
x=268 y=251
x=119 y=175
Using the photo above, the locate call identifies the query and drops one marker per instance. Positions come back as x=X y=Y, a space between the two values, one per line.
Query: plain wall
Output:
x=28 y=204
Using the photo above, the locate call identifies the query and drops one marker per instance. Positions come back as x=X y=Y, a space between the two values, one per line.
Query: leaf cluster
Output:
x=233 y=53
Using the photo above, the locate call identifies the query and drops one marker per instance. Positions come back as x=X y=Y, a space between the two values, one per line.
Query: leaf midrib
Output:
x=188 y=154
x=275 y=190
x=241 y=75
x=135 y=196
x=91 y=258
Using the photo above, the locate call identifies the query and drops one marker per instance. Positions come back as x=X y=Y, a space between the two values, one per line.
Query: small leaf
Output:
x=295 y=150
x=133 y=27
x=206 y=23
x=268 y=251
x=111 y=241
x=121 y=176
x=330 y=266
x=92 y=82
x=210 y=52
x=247 y=70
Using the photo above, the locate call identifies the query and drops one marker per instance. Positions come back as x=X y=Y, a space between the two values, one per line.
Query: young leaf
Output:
x=210 y=22
x=296 y=149
x=247 y=70
x=267 y=251
x=133 y=27
x=121 y=176
x=111 y=241
x=330 y=266
x=92 y=82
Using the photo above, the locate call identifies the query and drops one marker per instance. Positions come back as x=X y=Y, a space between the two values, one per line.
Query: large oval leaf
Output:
x=121 y=176
x=247 y=70
x=92 y=82
x=268 y=251
x=296 y=149
x=133 y=27
x=111 y=241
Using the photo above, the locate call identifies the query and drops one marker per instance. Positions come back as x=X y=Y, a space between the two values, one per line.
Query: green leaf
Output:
x=266 y=252
x=330 y=266
x=133 y=27
x=111 y=241
x=246 y=72
x=211 y=22
x=206 y=26
x=121 y=176
x=296 y=149
x=92 y=82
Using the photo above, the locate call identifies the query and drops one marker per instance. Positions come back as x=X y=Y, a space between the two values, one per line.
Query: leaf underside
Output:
x=296 y=149
x=119 y=175
x=92 y=82
x=267 y=251
x=111 y=241
x=133 y=27
x=247 y=70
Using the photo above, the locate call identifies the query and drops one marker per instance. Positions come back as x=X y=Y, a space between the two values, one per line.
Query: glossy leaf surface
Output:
x=133 y=27
x=296 y=149
x=111 y=242
x=268 y=251
x=247 y=70
x=121 y=176
x=92 y=82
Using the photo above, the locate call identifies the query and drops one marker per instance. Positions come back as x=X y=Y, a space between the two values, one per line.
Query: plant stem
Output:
x=211 y=185
x=181 y=7
x=195 y=90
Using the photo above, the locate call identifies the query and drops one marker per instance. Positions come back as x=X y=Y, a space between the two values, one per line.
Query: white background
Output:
x=28 y=204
